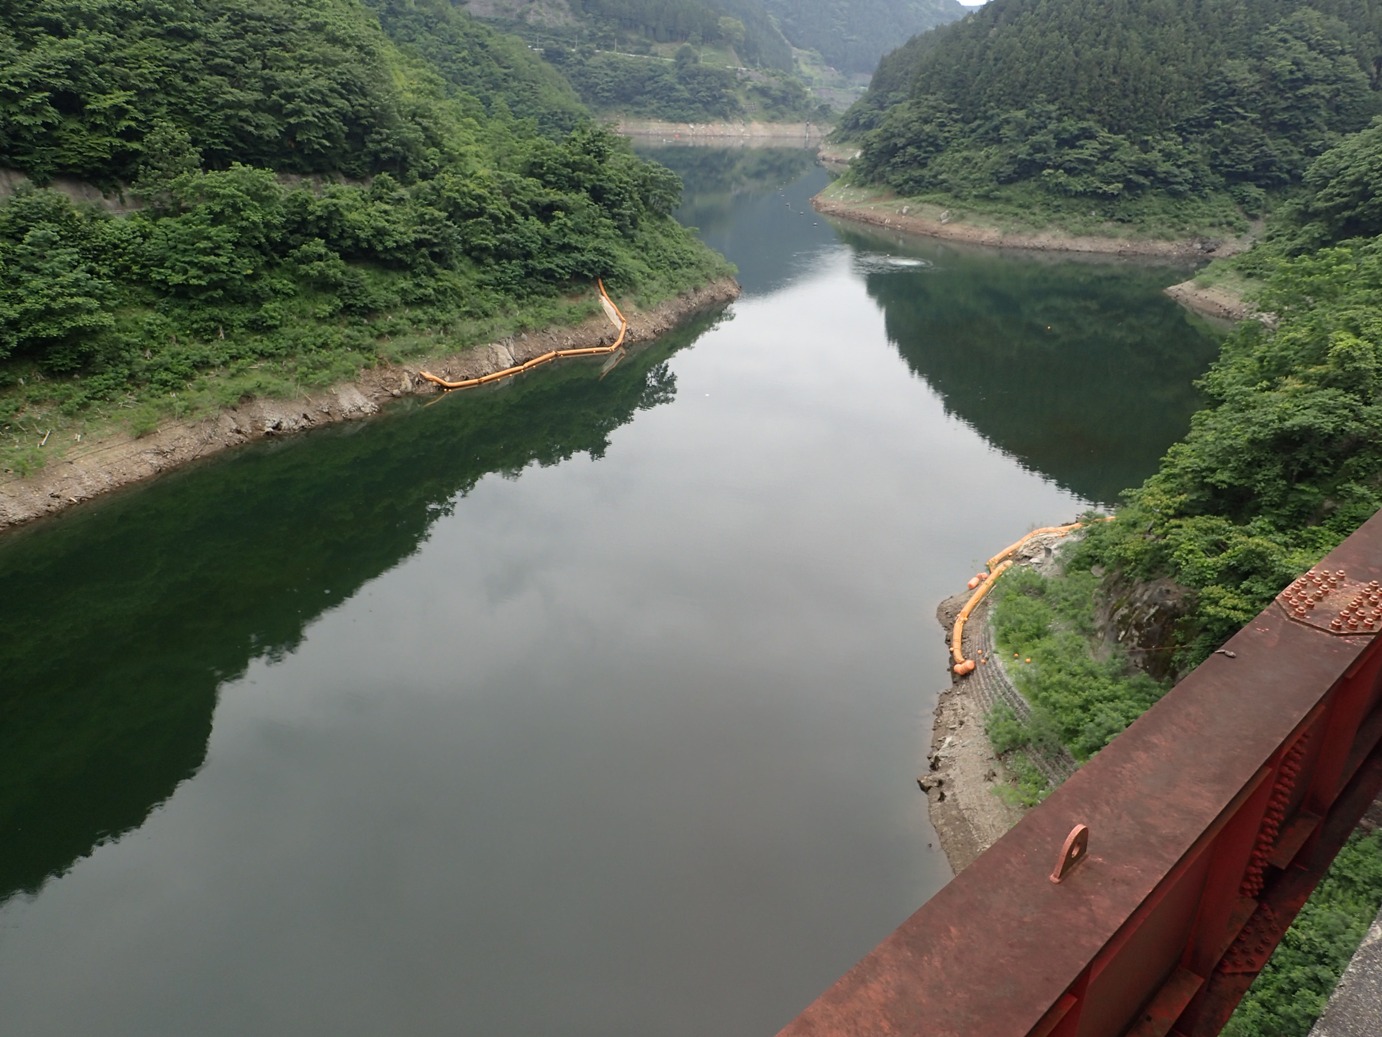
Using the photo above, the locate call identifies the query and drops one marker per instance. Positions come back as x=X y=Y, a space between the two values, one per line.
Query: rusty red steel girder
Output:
x=1209 y=822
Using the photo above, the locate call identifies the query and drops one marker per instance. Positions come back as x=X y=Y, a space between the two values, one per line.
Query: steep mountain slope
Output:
x=312 y=195
x=1109 y=98
x=852 y=35
x=309 y=87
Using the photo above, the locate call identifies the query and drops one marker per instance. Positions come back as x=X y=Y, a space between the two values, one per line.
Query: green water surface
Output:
x=582 y=705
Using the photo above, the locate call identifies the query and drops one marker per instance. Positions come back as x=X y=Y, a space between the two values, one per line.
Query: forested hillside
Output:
x=309 y=194
x=1283 y=463
x=746 y=58
x=852 y=35
x=741 y=24
x=1105 y=100
x=1108 y=109
x=1099 y=104
x=495 y=69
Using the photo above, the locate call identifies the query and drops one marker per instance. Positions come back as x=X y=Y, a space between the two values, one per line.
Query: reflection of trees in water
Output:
x=122 y=620
x=1082 y=371
x=715 y=170
x=753 y=205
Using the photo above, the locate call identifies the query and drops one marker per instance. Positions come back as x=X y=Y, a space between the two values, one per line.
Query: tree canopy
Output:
x=302 y=179
x=1105 y=99
x=853 y=35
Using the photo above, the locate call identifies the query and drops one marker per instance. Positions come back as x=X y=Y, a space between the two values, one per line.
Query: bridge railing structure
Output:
x=1146 y=893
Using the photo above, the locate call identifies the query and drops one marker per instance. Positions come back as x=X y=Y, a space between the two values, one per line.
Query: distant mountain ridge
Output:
x=850 y=35
x=853 y=35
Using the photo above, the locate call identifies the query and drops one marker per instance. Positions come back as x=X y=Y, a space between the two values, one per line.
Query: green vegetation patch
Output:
x=1026 y=209
x=1012 y=739
x=1291 y=992
x=1083 y=104
x=1082 y=693
x=1284 y=463
x=315 y=198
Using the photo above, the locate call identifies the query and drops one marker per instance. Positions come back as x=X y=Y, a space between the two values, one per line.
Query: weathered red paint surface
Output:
x=1209 y=821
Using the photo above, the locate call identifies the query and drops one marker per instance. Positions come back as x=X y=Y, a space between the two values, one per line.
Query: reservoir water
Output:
x=582 y=706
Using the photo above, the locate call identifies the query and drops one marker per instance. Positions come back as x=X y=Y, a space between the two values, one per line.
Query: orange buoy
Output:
x=973 y=582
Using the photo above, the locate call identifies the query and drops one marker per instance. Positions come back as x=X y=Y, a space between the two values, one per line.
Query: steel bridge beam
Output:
x=1209 y=822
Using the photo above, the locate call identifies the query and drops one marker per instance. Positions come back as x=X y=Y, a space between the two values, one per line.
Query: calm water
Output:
x=578 y=707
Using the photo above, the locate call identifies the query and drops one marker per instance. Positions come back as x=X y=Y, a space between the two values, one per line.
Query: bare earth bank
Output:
x=964 y=772
x=120 y=460
x=722 y=133
x=896 y=215
x=1218 y=301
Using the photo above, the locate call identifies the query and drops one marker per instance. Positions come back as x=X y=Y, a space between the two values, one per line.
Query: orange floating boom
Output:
x=612 y=311
x=957 y=633
x=983 y=581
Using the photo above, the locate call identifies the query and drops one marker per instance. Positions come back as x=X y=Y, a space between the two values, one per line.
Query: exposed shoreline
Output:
x=896 y=214
x=964 y=771
x=1217 y=301
x=722 y=133
x=120 y=460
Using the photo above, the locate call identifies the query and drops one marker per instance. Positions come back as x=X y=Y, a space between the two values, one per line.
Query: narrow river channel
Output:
x=579 y=706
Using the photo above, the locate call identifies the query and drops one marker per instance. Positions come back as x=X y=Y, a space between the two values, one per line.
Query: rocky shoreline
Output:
x=964 y=772
x=897 y=215
x=1217 y=301
x=723 y=133
x=120 y=460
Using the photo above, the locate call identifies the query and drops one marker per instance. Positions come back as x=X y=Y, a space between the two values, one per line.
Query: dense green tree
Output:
x=427 y=195
x=1108 y=99
x=494 y=69
x=852 y=35
x=1284 y=463
x=300 y=86
x=54 y=302
x=1343 y=196
x=682 y=90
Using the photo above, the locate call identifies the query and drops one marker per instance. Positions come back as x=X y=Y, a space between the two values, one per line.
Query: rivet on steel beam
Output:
x=1075 y=850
